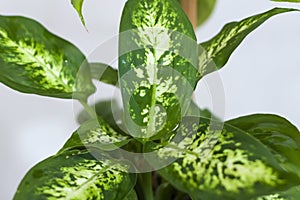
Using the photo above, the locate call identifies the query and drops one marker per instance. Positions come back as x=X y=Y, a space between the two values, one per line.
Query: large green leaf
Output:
x=77 y=4
x=219 y=164
x=76 y=175
x=96 y=134
x=214 y=54
x=157 y=65
x=204 y=10
x=33 y=60
x=277 y=134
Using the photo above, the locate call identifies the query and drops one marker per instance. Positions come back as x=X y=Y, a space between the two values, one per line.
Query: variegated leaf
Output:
x=76 y=175
x=272 y=197
x=96 y=134
x=33 y=60
x=214 y=54
x=277 y=134
x=157 y=65
x=204 y=10
x=77 y=4
x=219 y=164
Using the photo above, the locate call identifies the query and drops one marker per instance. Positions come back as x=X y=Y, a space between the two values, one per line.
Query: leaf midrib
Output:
x=153 y=98
x=89 y=181
x=44 y=66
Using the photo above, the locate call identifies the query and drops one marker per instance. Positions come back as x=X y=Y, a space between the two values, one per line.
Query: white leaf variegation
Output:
x=76 y=175
x=214 y=54
x=32 y=60
x=157 y=65
x=96 y=134
x=77 y=4
x=212 y=164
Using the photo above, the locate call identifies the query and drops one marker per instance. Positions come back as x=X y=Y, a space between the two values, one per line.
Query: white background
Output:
x=261 y=76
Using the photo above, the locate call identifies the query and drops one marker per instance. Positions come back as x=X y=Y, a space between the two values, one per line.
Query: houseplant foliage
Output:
x=251 y=157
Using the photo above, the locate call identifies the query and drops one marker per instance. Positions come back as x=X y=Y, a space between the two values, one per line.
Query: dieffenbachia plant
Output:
x=184 y=155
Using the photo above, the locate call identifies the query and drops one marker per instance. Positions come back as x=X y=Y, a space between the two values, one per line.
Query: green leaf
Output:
x=277 y=134
x=33 y=60
x=131 y=196
x=219 y=164
x=195 y=111
x=106 y=109
x=104 y=73
x=96 y=134
x=77 y=4
x=157 y=65
x=291 y=194
x=272 y=197
x=76 y=175
x=214 y=54
x=204 y=10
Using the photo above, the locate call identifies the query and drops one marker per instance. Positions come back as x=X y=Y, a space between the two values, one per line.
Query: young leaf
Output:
x=214 y=54
x=277 y=134
x=204 y=10
x=77 y=4
x=104 y=73
x=76 y=175
x=220 y=164
x=157 y=65
x=96 y=134
x=33 y=60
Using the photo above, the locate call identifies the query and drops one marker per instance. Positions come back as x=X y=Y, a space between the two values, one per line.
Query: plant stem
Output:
x=145 y=186
x=190 y=8
x=88 y=109
x=148 y=192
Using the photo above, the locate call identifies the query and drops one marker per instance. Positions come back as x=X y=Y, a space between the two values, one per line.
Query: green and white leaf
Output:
x=280 y=136
x=204 y=10
x=271 y=197
x=213 y=163
x=76 y=175
x=157 y=65
x=77 y=4
x=33 y=60
x=96 y=134
x=214 y=54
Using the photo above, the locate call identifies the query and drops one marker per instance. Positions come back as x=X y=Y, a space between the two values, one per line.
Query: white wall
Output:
x=261 y=76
